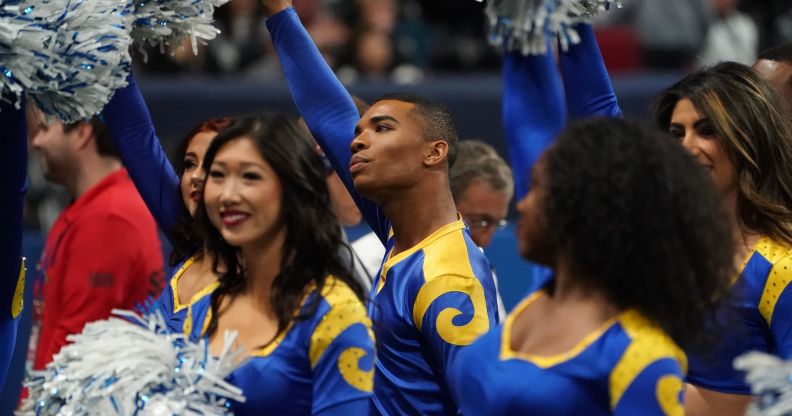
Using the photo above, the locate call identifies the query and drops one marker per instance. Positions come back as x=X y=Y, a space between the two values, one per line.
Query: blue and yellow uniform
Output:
x=323 y=365
x=169 y=305
x=430 y=300
x=130 y=125
x=13 y=171
x=627 y=367
x=757 y=316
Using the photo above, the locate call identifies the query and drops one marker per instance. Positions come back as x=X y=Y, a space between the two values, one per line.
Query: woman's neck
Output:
x=568 y=289
x=261 y=264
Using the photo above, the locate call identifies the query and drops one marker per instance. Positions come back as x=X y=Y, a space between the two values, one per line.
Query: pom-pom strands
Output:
x=771 y=382
x=69 y=56
x=524 y=25
x=164 y=22
x=118 y=367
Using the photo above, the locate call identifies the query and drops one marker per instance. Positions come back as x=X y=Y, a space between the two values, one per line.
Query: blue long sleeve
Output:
x=323 y=101
x=130 y=124
x=533 y=111
x=13 y=149
x=588 y=88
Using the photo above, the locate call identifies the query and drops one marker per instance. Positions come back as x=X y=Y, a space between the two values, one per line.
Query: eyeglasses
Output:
x=484 y=223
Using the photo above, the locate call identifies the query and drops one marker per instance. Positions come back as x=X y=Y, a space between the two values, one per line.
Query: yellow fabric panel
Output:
x=177 y=306
x=780 y=276
x=649 y=344
x=667 y=392
x=345 y=310
x=19 y=292
x=446 y=268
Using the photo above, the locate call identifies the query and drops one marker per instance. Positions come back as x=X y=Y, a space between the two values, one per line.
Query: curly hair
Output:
x=749 y=120
x=640 y=221
x=311 y=250
x=185 y=238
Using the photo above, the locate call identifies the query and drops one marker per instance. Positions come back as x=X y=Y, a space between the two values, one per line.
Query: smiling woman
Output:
x=733 y=122
x=266 y=211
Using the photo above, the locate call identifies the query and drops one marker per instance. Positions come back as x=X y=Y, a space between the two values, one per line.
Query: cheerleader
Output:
x=629 y=225
x=736 y=126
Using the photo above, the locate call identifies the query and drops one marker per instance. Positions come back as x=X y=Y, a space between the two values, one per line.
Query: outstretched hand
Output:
x=274 y=6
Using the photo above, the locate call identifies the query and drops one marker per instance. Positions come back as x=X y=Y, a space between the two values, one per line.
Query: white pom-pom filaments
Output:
x=67 y=55
x=166 y=22
x=118 y=367
x=526 y=25
x=771 y=382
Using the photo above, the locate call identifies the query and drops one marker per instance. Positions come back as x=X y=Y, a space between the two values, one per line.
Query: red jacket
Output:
x=103 y=252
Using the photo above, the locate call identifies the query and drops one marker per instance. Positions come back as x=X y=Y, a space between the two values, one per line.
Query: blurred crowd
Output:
x=402 y=40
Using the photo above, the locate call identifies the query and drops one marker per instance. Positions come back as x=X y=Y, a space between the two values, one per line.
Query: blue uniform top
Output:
x=168 y=304
x=626 y=367
x=756 y=317
x=13 y=171
x=431 y=299
x=130 y=125
x=323 y=365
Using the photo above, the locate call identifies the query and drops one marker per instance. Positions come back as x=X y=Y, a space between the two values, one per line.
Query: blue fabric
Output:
x=742 y=327
x=13 y=170
x=533 y=112
x=323 y=102
x=281 y=379
x=130 y=125
x=491 y=379
x=587 y=85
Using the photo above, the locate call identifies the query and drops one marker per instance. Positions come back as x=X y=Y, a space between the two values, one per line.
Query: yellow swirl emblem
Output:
x=667 y=391
x=19 y=292
x=438 y=286
x=349 y=367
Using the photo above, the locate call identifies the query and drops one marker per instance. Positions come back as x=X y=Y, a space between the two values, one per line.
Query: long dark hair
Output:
x=641 y=221
x=752 y=123
x=313 y=234
x=185 y=238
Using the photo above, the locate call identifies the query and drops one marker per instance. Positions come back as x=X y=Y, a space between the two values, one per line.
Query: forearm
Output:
x=587 y=84
x=130 y=125
x=533 y=111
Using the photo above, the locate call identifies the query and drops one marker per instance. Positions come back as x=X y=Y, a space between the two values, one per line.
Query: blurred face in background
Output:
x=55 y=147
x=192 y=179
x=484 y=209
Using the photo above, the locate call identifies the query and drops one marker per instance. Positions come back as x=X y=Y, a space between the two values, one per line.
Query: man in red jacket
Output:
x=103 y=251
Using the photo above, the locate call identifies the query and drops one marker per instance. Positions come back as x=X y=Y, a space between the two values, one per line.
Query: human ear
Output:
x=436 y=153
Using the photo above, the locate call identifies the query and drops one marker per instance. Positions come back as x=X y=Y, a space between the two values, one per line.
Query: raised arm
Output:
x=588 y=87
x=323 y=102
x=533 y=111
x=13 y=148
x=129 y=122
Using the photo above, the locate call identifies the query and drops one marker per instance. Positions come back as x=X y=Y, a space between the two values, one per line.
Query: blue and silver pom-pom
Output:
x=525 y=25
x=166 y=22
x=133 y=366
x=771 y=382
x=67 y=55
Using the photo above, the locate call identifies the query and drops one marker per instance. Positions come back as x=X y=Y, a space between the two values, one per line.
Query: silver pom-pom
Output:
x=525 y=25
x=771 y=382
x=133 y=366
x=166 y=22
x=67 y=55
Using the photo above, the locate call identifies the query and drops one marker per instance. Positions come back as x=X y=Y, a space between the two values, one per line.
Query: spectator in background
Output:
x=103 y=251
x=775 y=64
x=733 y=35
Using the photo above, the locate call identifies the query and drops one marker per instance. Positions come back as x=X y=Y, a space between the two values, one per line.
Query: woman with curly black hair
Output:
x=630 y=226
x=736 y=126
x=299 y=312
